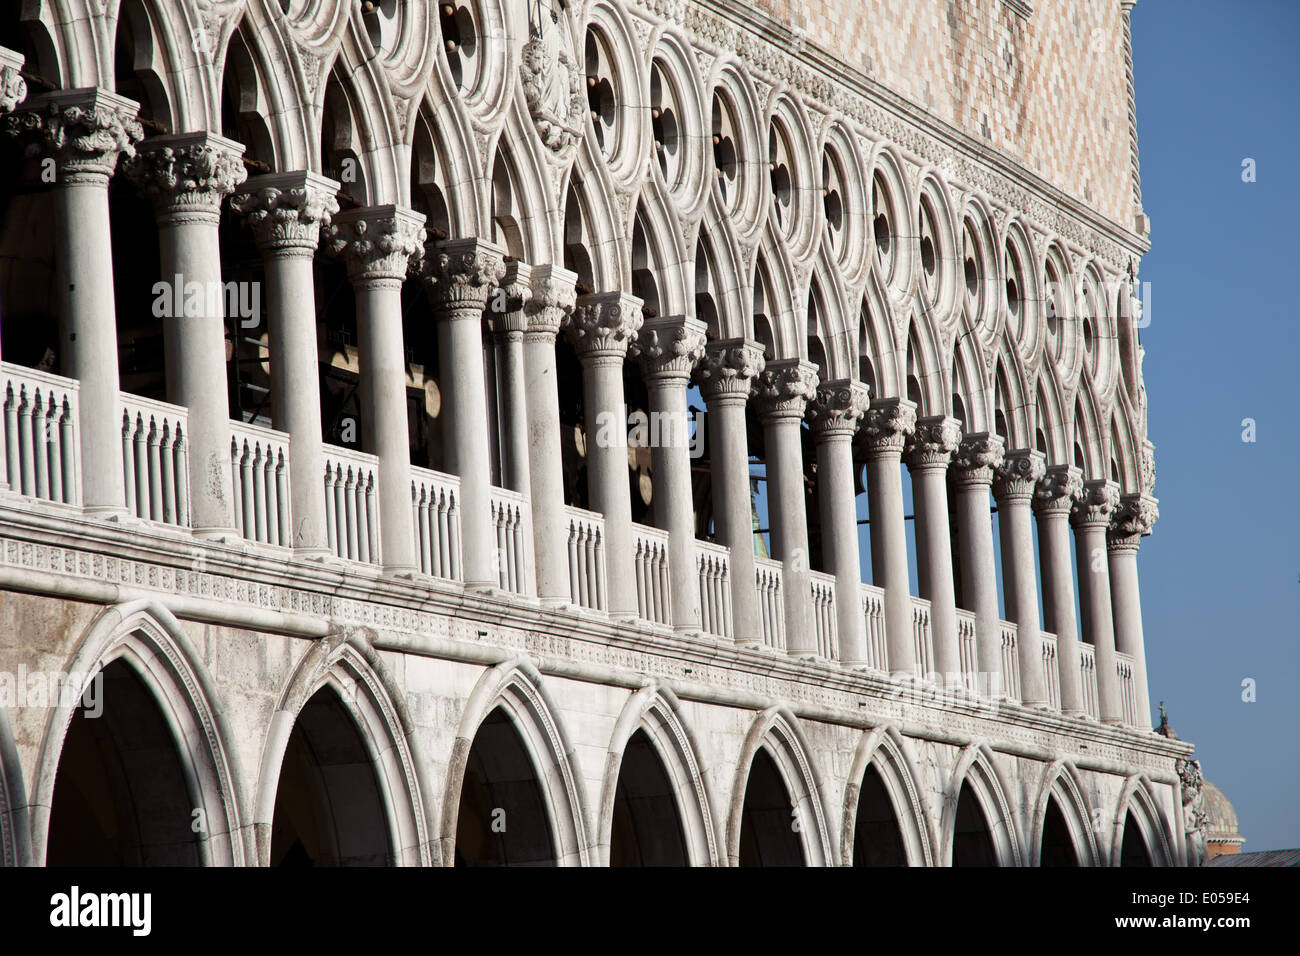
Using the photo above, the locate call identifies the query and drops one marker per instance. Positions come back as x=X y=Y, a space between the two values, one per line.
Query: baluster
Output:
x=40 y=438
x=182 y=478
x=365 y=518
x=453 y=526
x=25 y=440
x=285 y=519
x=59 y=489
x=350 y=503
x=13 y=456
x=167 y=473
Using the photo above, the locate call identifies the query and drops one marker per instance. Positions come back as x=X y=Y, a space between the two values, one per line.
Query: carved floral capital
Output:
x=461 y=273
x=784 y=389
x=1016 y=479
x=933 y=442
x=838 y=408
x=1058 y=489
x=287 y=210
x=379 y=244
x=188 y=174
x=668 y=347
x=83 y=131
x=729 y=368
x=604 y=324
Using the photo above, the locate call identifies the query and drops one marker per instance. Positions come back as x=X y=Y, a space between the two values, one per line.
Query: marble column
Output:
x=286 y=212
x=1090 y=517
x=187 y=176
x=1133 y=520
x=888 y=424
x=835 y=413
x=84 y=132
x=668 y=348
x=928 y=453
x=973 y=465
x=726 y=377
x=507 y=326
x=1013 y=489
x=1055 y=495
x=460 y=275
x=601 y=327
x=380 y=245
x=549 y=306
x=782 y=394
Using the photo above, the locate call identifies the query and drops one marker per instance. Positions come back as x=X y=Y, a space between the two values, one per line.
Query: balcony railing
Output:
x=653 y=595
x=823 y=607
x=713 y=568
x=966 y=650
x=771 y=602
x=873 y=613
x=1051 y=671
x=1088 y=671
x=41 y=428
x=435 y=511
x=922 y=639
x=587 y=559
x=1127 y=691
x=510 y=522
x=155 y=459
x=1010 y=659
x=351 y=509
x=259 y=461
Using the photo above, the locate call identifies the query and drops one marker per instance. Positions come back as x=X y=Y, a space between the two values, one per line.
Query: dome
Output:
x=1222 y=819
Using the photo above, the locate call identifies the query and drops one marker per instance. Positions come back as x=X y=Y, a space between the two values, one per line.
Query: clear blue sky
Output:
x=1218 y=82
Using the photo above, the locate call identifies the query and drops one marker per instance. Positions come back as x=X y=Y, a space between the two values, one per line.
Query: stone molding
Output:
x=286 y=211
x=13 y=88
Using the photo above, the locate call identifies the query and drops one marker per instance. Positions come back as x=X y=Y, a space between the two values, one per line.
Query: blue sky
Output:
x=1218 y=83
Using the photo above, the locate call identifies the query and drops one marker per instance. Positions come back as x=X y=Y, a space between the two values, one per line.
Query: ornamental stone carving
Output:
x=933 y=442
x=888 y=423
x=729 y=368
x=838 y=408
x=604 y=324
x=1058 y=489
x=1094 y=507
x=287 y=210
x=13 y=88
x=460 y=274
x=977 y=457
x=1195 y=818
x=554 y=297
x=784 y=389
x=188 y=175
x=1016 y=479
x=379 y=244
x=507 y=316
x=668 y=347
x=84 y=131
x=1148 y=467
x=553 y=87
x=1132 y=521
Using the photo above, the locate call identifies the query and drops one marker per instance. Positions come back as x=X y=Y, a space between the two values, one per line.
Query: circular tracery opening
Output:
x=780 y=164
x=972 y=266
x=833 y=198
x=1090 y=320
x=459 y=41
x=380 y=20
x=665 y=123
x=600 y=91
x=1054 y=310
x=882 y=225
x=726 y=152
x=1015 y=292
x=929 y=249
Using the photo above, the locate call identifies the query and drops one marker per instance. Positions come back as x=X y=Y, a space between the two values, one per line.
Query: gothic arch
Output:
x=776 y=730
x=1123 y=448
x=347 y=664
x=923 y=365
x=660 y=229
x=1137 y=798
x=726 y=272
x=975 y=766
x=603 y=235
x=1012 y=396
x=875 y=346
x=885 y=749
x=1061 y=783
x=773 y=283
x=1088 y=434
x=147 y=637
x=516 y=687
x=969 y=379
x=837 y=321
x=1051 y=418
x=654 y=710
x=15 y=827
x=530 y=203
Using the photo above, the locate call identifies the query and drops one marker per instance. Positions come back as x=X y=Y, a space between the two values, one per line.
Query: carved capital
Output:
x=1094 y=507
x=13 y=88
x=1132 y=521
x=933 y=442
x=380 y=244
x=669 y=347
x=604 y=324
x=1148 y=467
x=977 y=457
x=287 y=210
x=729 y=368
x=506 y=316
x=1017 y=477
x=554 y=297
x=838 y=408
x=460 y=274
x=886 y=427
x=1058 y=489
x=188 y=175
x=784 y=389
x=83 y=131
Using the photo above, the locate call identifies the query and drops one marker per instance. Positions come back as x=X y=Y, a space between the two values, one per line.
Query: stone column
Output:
x=187 y=176
x=782 y=395
x=601 y=328
x=1090 y=517
x=929 y=450
x=726 y=379
x=1053 y=499
x=508 y=326
x=460 y=275
x=977 y=457
x=835 y=413
x=1133 y=520
x=548 y=307
x=380 y=244
x=1013 y=488
x=668 y=348
x=84 y=132
x=888 y=424
x=286 y=212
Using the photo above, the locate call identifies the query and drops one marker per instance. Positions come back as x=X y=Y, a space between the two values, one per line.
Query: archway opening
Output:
x=769 y=822
x=502 y=820
x=120 y=792
x=1133 y=845
x=972 y=840
x=1058 y=846
x=877 y=838
x=328 y=809
x=647 y=826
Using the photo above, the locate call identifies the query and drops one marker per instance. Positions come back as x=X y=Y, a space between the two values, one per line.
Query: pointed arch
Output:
x=1123 y=446
x=1051 y=422
x=15 y=823
x=1088 y=436
x=720 y=276
x=1011 y=397
x=970 y=382
x=655 y=711
x=774 y=276
x=886 y=750
x=149 y=639
x=836 y=319
x=656 y=246
x=594 y=225
x=515 y=687
x=975 y=766
x=1137 y=799
x=1061 y=785
x=521 y=202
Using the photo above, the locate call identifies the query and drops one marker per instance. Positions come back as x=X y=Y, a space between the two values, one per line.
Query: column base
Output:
x=218 y=535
